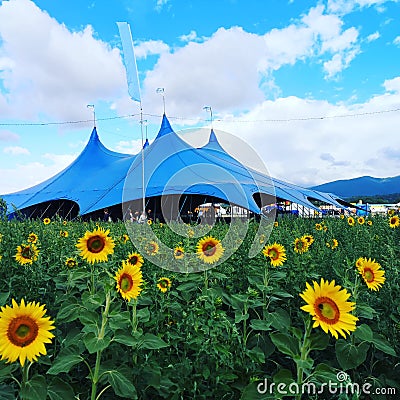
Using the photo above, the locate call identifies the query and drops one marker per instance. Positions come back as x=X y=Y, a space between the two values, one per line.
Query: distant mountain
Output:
x=363 y=186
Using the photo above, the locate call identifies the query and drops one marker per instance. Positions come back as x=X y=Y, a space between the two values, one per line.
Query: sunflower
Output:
x=96 y=245
x=276 y=223
x=135 y=259
x=65 y=223
x=341 y=216
x=361 y=220
x=262 y=239
x=309 y=239
x=334 y=244
x=369 y=223
x=394 y=221
x=351 y=221
x=71 y=262
x=23 y=331
x=46 y=221
x=318 y=227
x=360 y=261
x=152 y=248
x=300 y=245
x=164 y=284
x=64 y=233
x=27 y=253
x=390 y=212
x=149 y=222
x=124 y=238
x=32 y=238
x=329 y=307
x=190 y=233
x=276 y=253
x=179 y=252
x=209 y=249
x=372 y=274
x=129 y=279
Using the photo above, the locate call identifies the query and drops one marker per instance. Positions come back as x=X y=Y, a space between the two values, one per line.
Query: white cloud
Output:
x=392 y=85
x=129 y=146
x=396 y=41
x=8 y=136
x=373 y=36
x=346 y=6
x=16 y=150
x=53 y=70
x=32 y=173
x=150 y=47
x=190 y=37
x=313 y=151
x=160 y=4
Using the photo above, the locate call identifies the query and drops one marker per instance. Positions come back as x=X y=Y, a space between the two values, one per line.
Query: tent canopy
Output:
x=100 y=178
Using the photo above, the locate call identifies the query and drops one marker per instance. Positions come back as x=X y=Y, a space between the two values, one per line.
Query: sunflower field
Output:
x=85 y=314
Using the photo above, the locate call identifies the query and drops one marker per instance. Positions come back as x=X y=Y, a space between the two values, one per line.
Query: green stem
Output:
x=134 y=316
x=95 y=377
x=304 y=351
x=25 y=376
x=265 y=282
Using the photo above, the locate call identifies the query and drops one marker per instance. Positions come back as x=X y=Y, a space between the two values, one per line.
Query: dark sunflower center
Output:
x=164 y=284
x=178 y=253
x=209 y=249
x=369 y=275
x=125 y=283
x=27 y=252
x=327 y=310
x=133 y=260
x=96 y=244
x=273 y=254
x=22 y=331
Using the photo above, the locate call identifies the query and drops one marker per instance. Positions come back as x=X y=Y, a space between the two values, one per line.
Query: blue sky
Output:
x=312 y=86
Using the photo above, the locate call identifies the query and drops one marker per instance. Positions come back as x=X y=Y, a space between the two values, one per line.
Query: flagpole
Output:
x=142 y=151
x=133 y=87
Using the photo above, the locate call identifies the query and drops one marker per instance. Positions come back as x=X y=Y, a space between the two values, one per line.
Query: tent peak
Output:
x=213 y=143
x=165 y=127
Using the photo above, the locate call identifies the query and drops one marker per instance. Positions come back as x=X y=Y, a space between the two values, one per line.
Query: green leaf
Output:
x=68 y=313
x=124 y=338
x=143 y=315
x=60 y=390
x=364 y=333
x=382 y=344
x=7 y=392
x=280 y=319
x=319 y=341
x=94 y=344
x=89 y=317
x=64 y=363
x=285 y=343
x=187 y=287
x=122 y=385
x=324 y=373
x=260 y=325
x=3 y=298
x=34 y=389
x=152 y=342
x=349 y=355
x=283 y=376
x=365 y=311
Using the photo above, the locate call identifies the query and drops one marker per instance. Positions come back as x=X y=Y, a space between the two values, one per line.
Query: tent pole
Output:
x=142 y=151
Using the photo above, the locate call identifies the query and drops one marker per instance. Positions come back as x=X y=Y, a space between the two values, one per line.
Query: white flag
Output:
x=129 y=61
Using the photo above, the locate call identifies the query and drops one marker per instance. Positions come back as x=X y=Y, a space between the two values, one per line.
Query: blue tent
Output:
x=100 y=178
